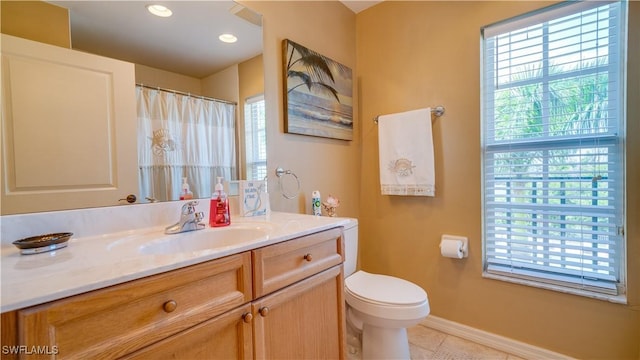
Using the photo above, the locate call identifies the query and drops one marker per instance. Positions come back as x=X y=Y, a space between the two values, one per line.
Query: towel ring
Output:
x=280 y=172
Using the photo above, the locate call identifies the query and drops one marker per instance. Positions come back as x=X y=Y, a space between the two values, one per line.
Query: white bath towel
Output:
x=406 y=153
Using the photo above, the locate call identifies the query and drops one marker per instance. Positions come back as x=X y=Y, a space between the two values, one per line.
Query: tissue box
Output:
x=253 y=197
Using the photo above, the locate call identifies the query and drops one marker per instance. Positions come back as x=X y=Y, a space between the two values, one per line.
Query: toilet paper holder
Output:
x=463 y=239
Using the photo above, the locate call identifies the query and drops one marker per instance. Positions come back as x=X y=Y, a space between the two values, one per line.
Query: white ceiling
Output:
x=358 y=5
x=186 y=43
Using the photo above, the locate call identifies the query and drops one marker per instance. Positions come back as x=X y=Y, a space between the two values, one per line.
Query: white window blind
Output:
x=255 y=138
x=553 y=120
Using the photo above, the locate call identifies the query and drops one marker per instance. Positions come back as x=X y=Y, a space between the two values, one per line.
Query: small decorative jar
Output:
x=330 y=206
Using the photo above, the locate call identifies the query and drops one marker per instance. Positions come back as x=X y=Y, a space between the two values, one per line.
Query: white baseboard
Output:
x=497 y=342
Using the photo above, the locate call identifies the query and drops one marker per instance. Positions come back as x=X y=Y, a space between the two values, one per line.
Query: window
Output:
x=255 y=138
x=553 y=174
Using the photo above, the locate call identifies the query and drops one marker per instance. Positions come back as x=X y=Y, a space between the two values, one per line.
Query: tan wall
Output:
x=416 y=54
x=251 y=74
x=37 y=21
x=331 y=166
x=167 y=80
x=223 y=85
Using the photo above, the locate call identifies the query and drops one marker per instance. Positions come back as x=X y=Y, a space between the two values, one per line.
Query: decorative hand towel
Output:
x=406 y=153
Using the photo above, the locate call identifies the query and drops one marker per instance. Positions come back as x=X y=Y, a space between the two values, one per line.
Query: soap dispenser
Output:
x=219 y=214
x=186 y=193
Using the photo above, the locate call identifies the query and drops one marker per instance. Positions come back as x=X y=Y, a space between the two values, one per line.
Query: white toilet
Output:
x=380 y=308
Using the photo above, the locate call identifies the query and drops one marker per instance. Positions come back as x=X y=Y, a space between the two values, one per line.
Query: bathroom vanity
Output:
x=276 y=296
x=264 y=287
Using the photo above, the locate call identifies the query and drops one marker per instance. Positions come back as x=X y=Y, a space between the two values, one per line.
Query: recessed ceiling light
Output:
x=228 y=38
x=159 y=10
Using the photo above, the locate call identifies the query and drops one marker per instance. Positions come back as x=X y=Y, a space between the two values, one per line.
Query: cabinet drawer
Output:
x=277 y=266
x=115 y=321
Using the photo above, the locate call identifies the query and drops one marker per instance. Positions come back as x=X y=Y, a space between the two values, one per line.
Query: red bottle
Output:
x=219 y=214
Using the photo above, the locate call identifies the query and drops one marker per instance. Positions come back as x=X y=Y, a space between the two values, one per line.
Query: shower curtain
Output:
x=183 y=136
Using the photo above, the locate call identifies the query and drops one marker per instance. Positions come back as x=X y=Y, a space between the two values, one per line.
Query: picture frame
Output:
x=318 y=94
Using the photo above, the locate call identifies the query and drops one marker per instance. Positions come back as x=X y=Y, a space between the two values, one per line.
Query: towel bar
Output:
x=437 y=111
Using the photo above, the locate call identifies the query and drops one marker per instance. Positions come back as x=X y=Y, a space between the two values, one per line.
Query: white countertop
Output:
x=97 y=261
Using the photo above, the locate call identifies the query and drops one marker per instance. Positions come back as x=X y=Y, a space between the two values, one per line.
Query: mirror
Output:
x=184 y=43
x=174 y=53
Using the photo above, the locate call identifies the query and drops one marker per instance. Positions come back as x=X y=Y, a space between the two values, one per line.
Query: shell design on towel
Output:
x=401 y=167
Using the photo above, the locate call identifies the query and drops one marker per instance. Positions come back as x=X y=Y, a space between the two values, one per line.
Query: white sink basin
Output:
x=159 y=243
x=201 y=240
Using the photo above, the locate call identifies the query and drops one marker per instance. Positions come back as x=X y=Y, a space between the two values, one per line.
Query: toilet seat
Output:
x=384 y=289
x=385 y=296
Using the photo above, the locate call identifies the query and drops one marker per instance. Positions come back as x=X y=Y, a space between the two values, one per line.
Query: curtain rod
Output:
x=187 y=94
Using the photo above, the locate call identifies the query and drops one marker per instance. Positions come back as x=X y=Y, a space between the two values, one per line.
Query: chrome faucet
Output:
x=189 y=220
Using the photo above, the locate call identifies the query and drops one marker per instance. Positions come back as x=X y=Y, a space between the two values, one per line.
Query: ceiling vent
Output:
x=246 y=14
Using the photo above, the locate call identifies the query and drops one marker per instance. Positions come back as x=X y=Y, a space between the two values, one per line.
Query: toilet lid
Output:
x=384 y=289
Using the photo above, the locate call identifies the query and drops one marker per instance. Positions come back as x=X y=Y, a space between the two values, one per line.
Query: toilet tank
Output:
x=350 y=234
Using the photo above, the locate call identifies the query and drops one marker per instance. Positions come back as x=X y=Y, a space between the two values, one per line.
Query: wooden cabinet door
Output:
x=69 y=128
x=227 y=336
x=302 y=321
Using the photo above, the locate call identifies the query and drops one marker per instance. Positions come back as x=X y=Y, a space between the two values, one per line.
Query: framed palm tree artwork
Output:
x=318 y=94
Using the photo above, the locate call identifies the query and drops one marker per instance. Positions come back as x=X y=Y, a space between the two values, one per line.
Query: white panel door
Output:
x=68 y=128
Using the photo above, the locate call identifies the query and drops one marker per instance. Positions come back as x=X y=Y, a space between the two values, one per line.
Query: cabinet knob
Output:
x=308 y=257
x=247 y=317
x=264 y=311
x=169 y=306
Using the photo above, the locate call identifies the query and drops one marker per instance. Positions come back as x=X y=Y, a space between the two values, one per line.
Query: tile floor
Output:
x=427 y=343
